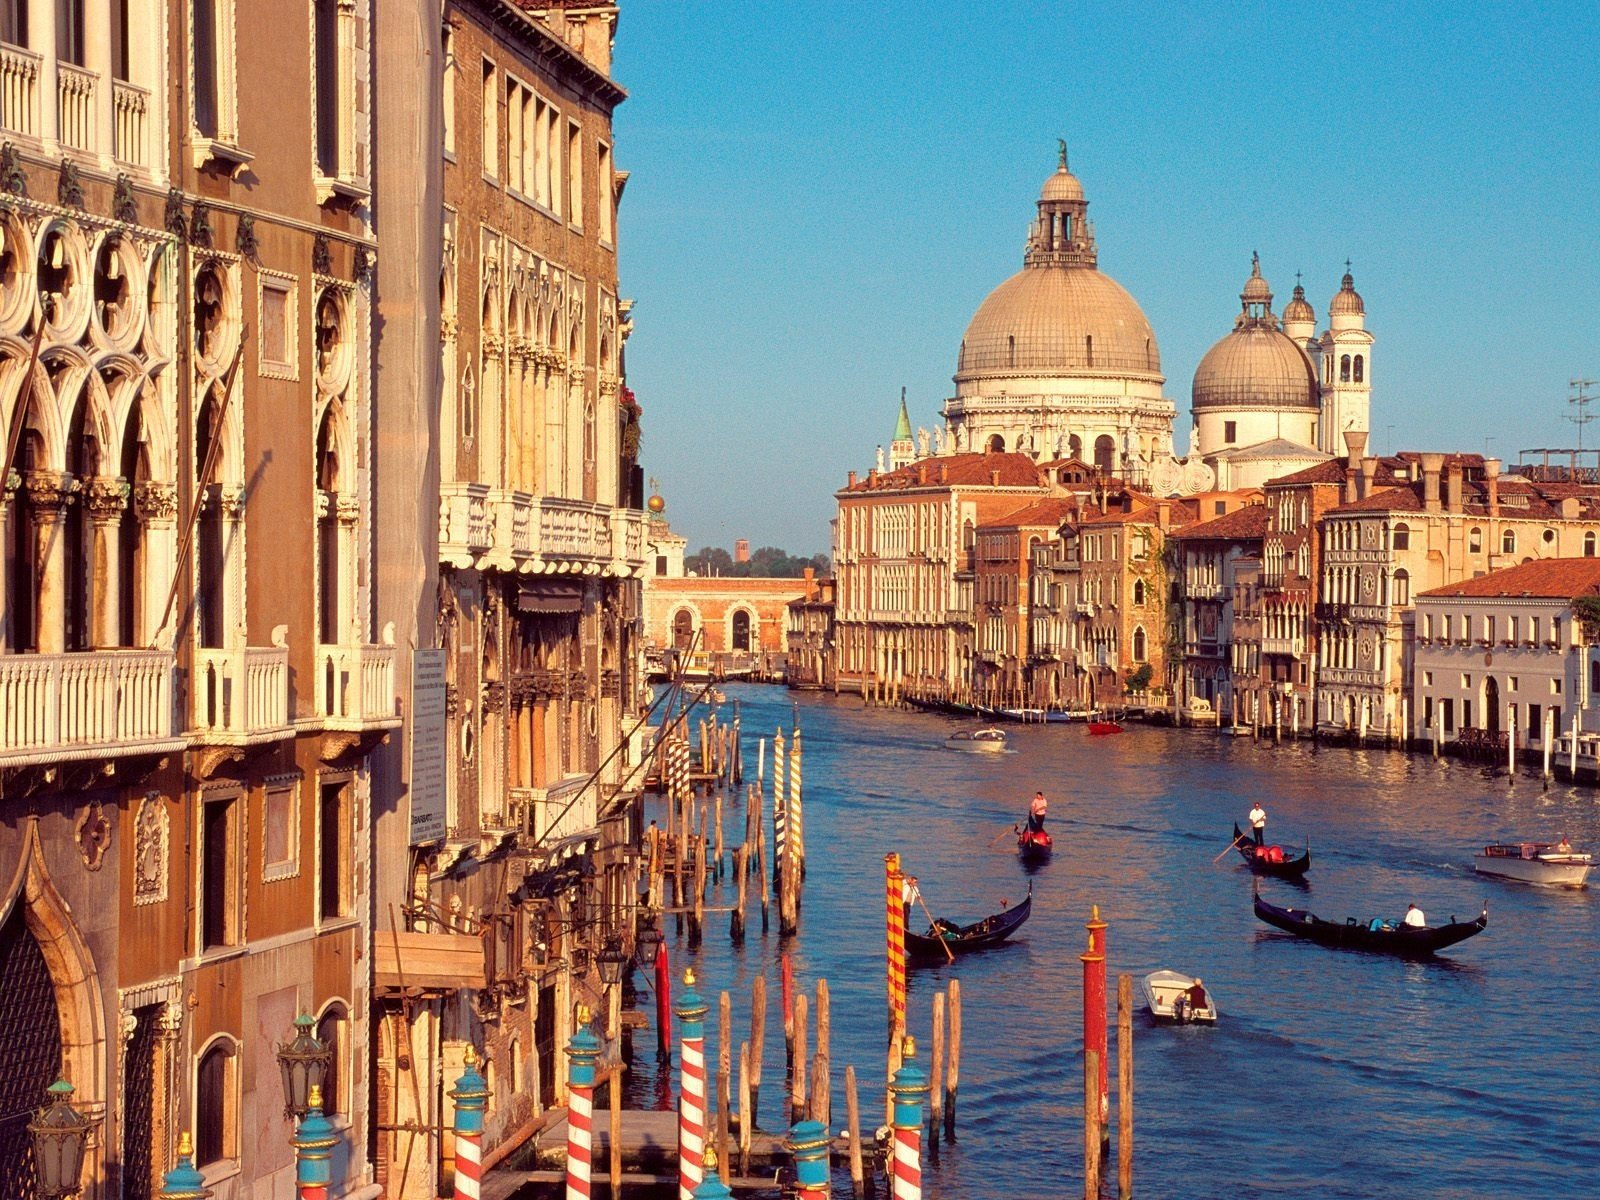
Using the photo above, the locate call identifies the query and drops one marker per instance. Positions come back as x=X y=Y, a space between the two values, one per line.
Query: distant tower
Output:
x=903 y=450
x=1346 y=374
x=741 y=550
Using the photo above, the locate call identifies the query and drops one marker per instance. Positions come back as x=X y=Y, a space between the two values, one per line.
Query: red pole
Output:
x=663 y=1005
x=1094 y=1006
x=788 y=993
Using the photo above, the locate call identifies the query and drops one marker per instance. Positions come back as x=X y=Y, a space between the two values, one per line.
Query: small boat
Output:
x=1026 y=716
x=1270 y=860
x=1553 y=863
x=1166 y=995
x=1387 y=937
x=987 y=739
x=1034 y=845
x=1100 y=727
x=990 y=931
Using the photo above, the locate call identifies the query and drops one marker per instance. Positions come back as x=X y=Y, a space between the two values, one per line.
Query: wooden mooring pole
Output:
x=853 y=1113
x=1124 y=1087
x=758 y=1029
x=1091 y=1125
x=953 y=1078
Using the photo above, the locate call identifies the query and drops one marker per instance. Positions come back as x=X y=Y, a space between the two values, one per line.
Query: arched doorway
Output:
x=1105 y=454
x=741 y=631
x=30 y=1039
x=996 y=444
x=682 y=629
x=1491 y=705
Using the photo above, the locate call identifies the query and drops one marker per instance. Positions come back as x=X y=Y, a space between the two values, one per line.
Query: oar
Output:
x=1012 y=831
x=1237 y=838
x=934 y=925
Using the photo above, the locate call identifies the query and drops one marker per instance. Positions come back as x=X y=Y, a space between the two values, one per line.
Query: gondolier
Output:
x=1037 y=807
x=909 y=895
x=1258 y=823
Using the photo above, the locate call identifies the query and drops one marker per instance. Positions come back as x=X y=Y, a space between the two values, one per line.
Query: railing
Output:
x=490 y=527
x=355 y=687
x=132 y=107
x=19 y=89
x=75 y=92
x=100 y=703
x=546 y=813
x=572 y=529
x=1292 y=646
x=1204 y=591
x=242 y=693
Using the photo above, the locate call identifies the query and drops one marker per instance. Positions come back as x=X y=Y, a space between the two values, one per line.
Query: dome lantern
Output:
x=1062 y=235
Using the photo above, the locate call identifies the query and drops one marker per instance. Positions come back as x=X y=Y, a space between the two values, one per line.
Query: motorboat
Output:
x=988 y=739
x=1167 y=996
x=1101 y=726
x=1554 y=863
x=1270 y=860
x=945 y=935
x=1388 y=937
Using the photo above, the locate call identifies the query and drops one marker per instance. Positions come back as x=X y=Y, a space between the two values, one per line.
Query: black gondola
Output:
x=1262 y=864
x=1410 y=941
x=990 y=931
x=1034 y=845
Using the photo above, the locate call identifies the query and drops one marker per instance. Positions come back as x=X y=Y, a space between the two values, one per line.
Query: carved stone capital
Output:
x=348 y=509
x=106 y=499
x=231 y=497
x=49 y=491
x=155 y=502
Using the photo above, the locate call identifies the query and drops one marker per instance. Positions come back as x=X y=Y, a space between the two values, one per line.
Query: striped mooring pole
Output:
x=471 y=1096
x=313 y=1144
x=797 y=834
x=895 y=912
x=808 y=1143
x=1094 y=1009
x=909 y=1087
x=582 y=1051
x=691 y=1013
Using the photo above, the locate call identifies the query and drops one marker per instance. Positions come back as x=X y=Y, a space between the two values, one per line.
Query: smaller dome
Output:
x=1348 y=301
x=1299 y=309
x=1256 y=288
x=1255 y=367
x=1063 y=185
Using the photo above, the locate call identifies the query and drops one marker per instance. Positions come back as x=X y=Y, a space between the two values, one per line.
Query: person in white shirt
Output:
x=1258 y=822
x=1414 y=917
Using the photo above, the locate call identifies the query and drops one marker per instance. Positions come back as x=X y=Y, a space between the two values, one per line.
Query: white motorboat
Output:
x=988 y=739
x=1167 y=994
x=1553 y=863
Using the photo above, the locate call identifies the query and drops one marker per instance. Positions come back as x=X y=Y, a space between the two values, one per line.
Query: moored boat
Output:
x=960 y=939
x=1270 y=860
x=1034 y=845
x=1101 y=727
x=1554 y=863
x=1387 y=937
x=987 y=739
x=1166 y=995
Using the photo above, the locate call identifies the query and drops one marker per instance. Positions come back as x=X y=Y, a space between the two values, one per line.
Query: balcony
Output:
x=19 y=90
x=1205 y=591
x=96 y=704
x=1293 y=647
x=75 y=95
x=550 y=814
x=131 y=106
x=355 y=687
x=241 y=696
x=494 y=529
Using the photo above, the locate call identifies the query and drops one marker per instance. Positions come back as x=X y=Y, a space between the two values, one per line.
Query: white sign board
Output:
x=428 y=757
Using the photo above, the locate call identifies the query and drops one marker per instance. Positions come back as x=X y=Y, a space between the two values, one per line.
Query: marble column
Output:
x=156 y=505
x=105 y=500
x=50 y=492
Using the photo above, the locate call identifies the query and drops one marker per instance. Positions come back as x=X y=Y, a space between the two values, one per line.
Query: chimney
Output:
x=1127 y=502
x=1164 y=515
x=1452 y=486
x=1431 y=466
x=943 y=475
x=811 y=583
x=922 y=472
x=1570 y=508
x=1369 y=473
x=1355 y=444
x=994 y=476
x=852 y=481
x=872 y=476
x=1491 y=475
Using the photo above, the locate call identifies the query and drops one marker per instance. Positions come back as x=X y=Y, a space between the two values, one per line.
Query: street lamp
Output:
x=184 y=1182
x=645 y=944
x=612 y=961
x=60 y=1133
x=304 y=1062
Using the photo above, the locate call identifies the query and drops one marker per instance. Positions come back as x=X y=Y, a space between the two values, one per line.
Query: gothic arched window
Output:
x=1344 y=369
x=1360 y=368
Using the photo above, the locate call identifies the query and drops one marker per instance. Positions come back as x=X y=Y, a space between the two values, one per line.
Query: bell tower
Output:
x=903 y=450
x=1346 y=369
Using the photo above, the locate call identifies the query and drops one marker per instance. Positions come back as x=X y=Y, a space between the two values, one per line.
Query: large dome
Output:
x=1255 y=366
x=1059 y=320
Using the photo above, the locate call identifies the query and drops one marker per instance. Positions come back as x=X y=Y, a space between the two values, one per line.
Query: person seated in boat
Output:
x=1036 y=813
x=1414 y=918
x=1563 y=846
x=1196 y=997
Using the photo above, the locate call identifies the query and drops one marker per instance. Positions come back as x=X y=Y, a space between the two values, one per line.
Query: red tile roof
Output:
x=1241 y=524
x=955 y=470
x=1051 y=511
x=1560 y=578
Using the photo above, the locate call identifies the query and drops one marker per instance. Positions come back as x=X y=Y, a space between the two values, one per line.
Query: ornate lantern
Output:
x=304 y=1062
x=60 y=1134
x=184 y=1182
x=612 y=961
x=645 y=944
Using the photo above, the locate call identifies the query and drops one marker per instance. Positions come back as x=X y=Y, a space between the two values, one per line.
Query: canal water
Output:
x=1331 y=1073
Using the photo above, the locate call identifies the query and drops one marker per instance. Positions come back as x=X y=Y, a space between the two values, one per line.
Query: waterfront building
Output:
x=808 y=652
x=1448 y=518
x=504 y=861
x=1059 y=362
x=904 y=558
x=736 y=626
x=1498 y=656
x=186 y=315
x=1214 y=557
x=1003 y=558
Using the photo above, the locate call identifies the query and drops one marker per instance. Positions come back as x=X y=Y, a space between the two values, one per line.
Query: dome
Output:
x=1299 y=309
x=1348 y=301
x=1255 y=366
x=1063 y=185
x=1256 y=289
x=1059 y=320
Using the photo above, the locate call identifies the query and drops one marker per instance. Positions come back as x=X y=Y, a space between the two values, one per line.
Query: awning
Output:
x=403 y=961
x=539 y=596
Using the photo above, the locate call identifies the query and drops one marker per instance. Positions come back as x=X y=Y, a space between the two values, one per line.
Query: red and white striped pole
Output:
x=910 y=1085
x=582 y=1051
x=471 y=1096
x=1094 y=1009
x=691 y=1012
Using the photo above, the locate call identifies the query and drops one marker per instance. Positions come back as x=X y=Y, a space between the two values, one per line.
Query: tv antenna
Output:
x=1580 y=401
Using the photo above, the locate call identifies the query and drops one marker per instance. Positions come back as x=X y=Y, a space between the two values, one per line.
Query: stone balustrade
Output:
x=131 y=106
x=492 y=528
x=241 y=695
x=75 y=90
x=94 y=704
x=19 y=90
x=1292 y=646
x=355 y=687
x=550 y=814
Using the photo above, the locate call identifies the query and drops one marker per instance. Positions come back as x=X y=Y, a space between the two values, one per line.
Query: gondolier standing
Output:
x=1036 y=813
x=1258 y=823
x=909 y=895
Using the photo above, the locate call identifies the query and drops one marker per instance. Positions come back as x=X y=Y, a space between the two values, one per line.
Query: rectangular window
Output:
x=606 y=187
x=540 y=191
x=1449 y=709
x=219 y=874
x=69 y=31
x=516 y=135
x=1427 y=712
x=1466 y=714
x=1449 y=630
x=326 y=50
x=278 y=342
x=1466 y=681
x=14 y=22
x=1555 y=718
x=1511 y=683
x=1535 y=723
x=451 y=70
x=333 y=854
x=203 y=28
x=280 y=831
x=491 y=123
x=1555 y=687
x=575 y=174
x=121 y=51
x=1427 y=679
x=1230 y=432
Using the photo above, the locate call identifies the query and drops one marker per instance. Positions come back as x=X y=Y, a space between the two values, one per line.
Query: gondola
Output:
x=990 y=931
x=1265 y=862
x=1034 y=845
x=1387 y=938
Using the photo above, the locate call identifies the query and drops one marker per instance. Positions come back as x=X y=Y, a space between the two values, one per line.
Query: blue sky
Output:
x=822 y=194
